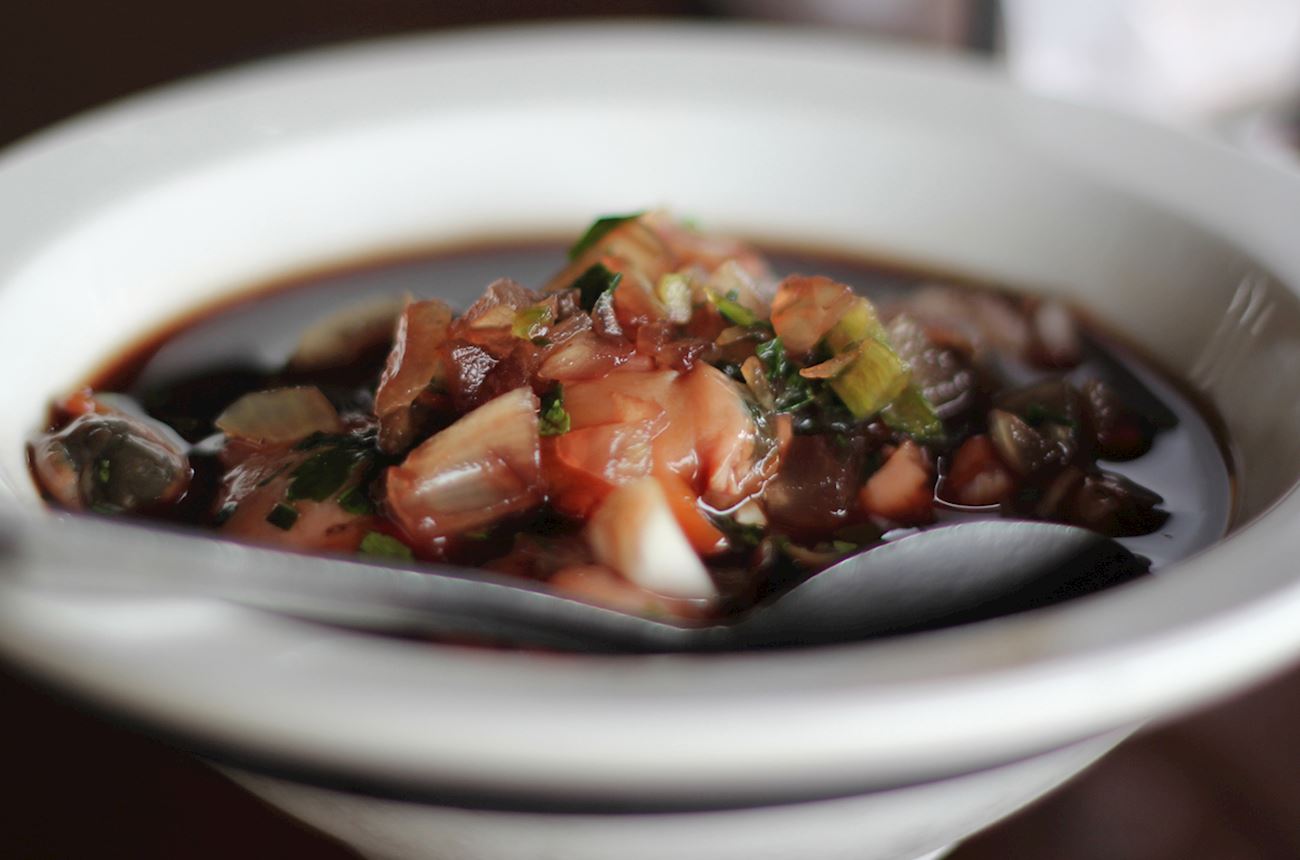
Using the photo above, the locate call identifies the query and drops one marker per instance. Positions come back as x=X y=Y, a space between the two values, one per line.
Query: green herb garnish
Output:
x=322 y=474
x=913 y=414
x=103 y=470
x=553 y=419
x=739 y=535
x=356 y=501
x=597 y=231
x=531 y=323
x=791 y=391
x=732 y=310
x=383 y=546
x=772 y=354
x=594 y=283
x=282 y=516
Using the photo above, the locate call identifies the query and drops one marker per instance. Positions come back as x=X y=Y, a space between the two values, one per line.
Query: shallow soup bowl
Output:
x=119 y=222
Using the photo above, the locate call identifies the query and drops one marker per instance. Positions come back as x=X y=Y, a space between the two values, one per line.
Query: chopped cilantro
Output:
x=772 y=354
x=383 y=546
x=322 y=474
x=356 y=501
x=315 y=440
x=597 y=231
x=271 y=477
x=103 y=470
x=738 y=534
x=359 y=441
x=553 y=419
x=732 y=310
x=282 y=516
x=912 y=413
x=791 y=391
x=594 y=283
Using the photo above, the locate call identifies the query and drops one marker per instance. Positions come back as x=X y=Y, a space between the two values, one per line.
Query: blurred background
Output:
x=1220 y=784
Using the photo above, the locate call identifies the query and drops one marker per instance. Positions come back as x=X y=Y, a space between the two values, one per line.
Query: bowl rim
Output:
x=880 y=707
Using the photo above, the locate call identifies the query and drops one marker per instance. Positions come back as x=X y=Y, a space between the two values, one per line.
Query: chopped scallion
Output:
x=553 y=419
x=384 y=546
x=597 y=231
x=594 y=283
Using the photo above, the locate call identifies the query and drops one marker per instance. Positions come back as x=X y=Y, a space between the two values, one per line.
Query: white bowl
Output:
x=118 y=222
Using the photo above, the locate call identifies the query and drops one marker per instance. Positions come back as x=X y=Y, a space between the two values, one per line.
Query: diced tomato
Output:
x=703 y=535
x=703 y=431
x=627 y=395
x=902 y=489
x=736 y=457
x=978 y=476
x=587 y=462
x=570 y=490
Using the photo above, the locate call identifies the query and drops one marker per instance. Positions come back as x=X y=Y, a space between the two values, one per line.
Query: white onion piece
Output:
x=342 y=336
x=634 y=532
x=279 y=416
x=484 y=466
x=415 y=362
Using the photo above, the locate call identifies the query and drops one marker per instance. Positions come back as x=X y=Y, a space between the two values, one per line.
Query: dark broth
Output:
x=187 y=374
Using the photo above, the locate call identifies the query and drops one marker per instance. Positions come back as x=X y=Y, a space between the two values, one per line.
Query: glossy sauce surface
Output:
x=187 y=375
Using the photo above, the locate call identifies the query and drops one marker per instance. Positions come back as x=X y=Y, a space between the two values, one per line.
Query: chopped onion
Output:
x=279 y=416
x=674 y=291
x=635 y=533
x=416 y=362
x=484 y=466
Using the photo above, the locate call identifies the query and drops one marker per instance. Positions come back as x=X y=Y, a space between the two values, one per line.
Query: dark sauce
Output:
x=185 y=375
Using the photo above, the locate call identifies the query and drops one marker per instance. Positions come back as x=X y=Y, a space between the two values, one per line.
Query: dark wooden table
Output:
x=1224 y=784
